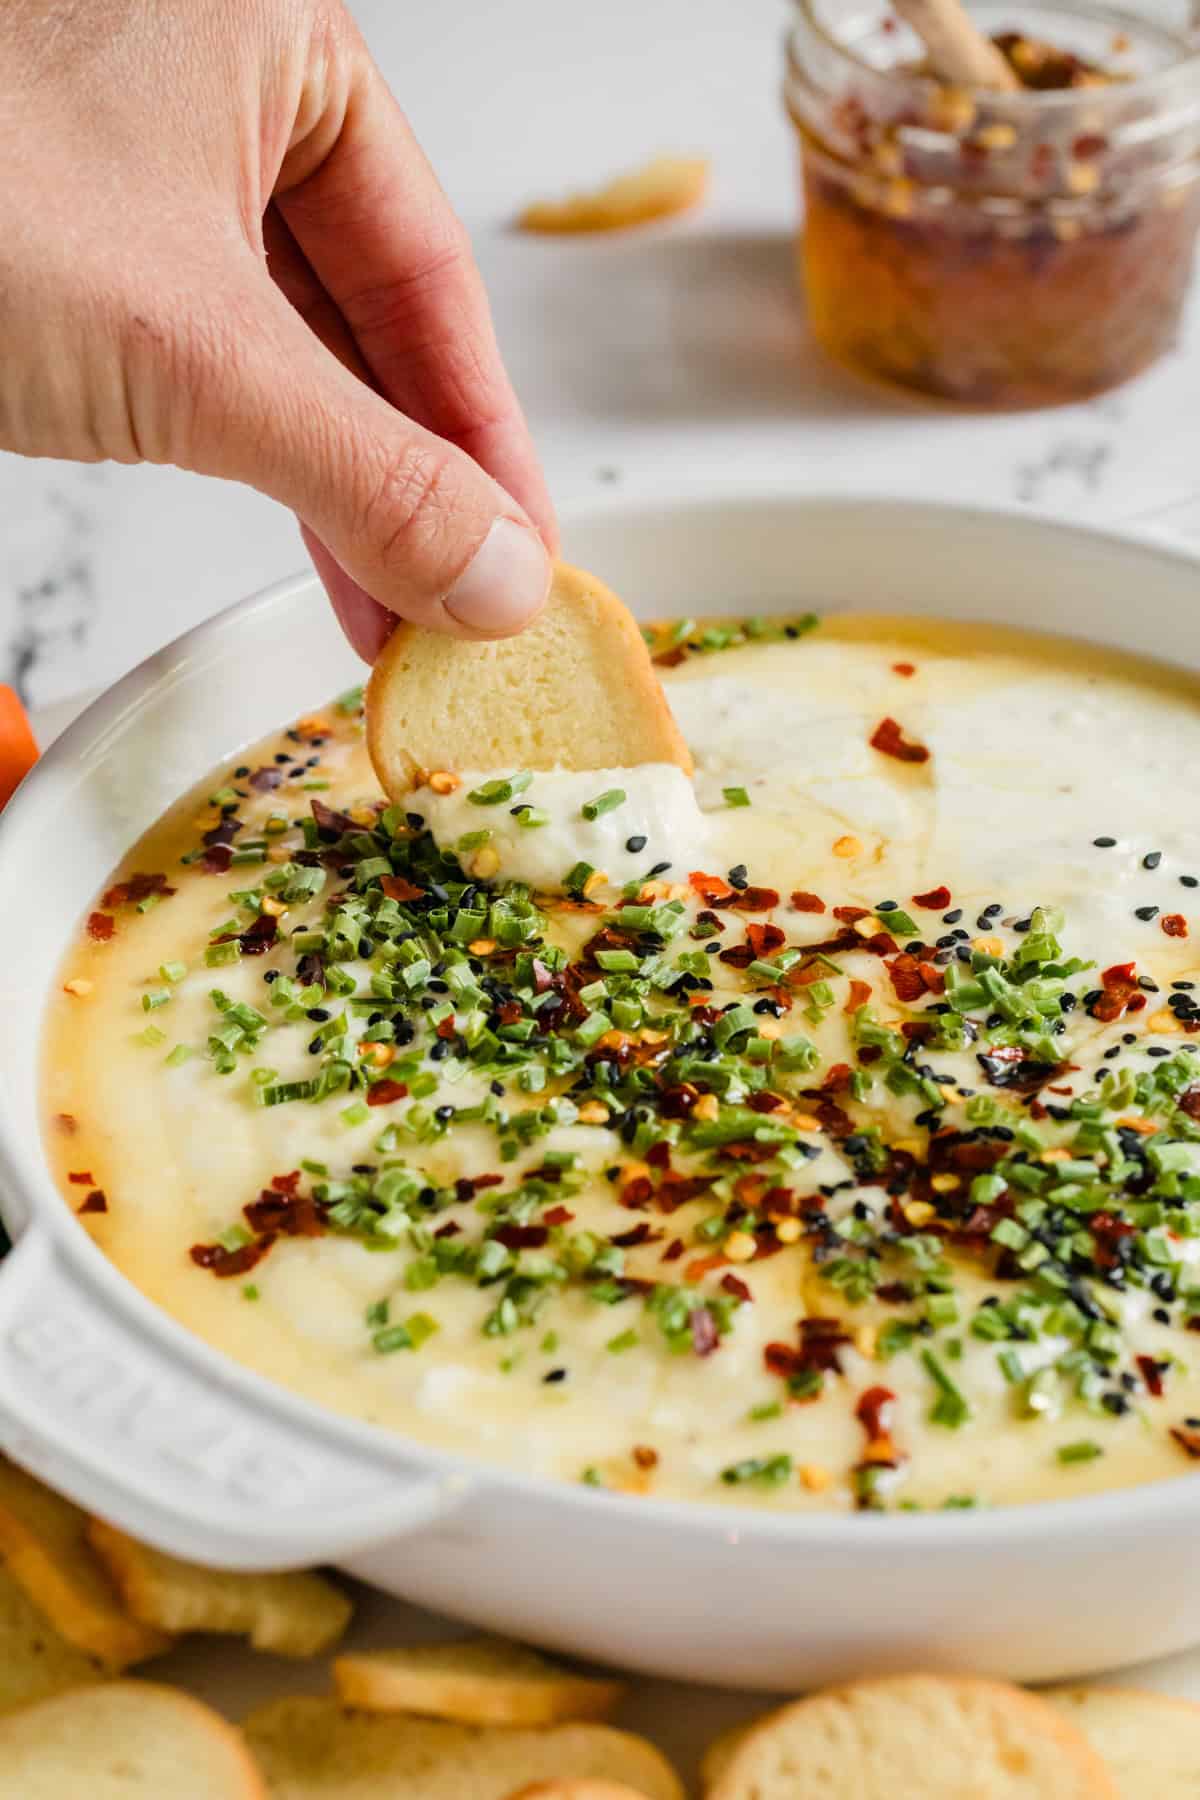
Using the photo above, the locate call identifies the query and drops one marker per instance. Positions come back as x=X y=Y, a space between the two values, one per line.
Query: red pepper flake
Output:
x=936 y=900
x=448 y=1230
x=138 y=887
x=282 y=1213
x=286 y=1184
x=673 y=1251
x=802 y=902
x=658 y=1156
x=906 y=976
x=521 y=1237
x=1174 y=925
x=821 y=1341
x=447 y=1028
x=1187 y=1440
x=849 y=914
x=225 y=1263
x=95 y=1202
x=382 y=1093
x=558 y=1215
x=754 y=899
x=67 y=1123
x=712 y=888
x=888 y=737
x=874 y=1410
x=705 y=1336
x=637 y=1193
x=860 y=993
x=1152 y=1372
x=762 y=939
x=82 y=1177
x=1121 y=993
x=904 y=668
x=1108 y=1232
x=1189 y=1102
x=217 y=859
x=645 y=1457
x=397 y=888
x=100 y=927
x=732 y=1284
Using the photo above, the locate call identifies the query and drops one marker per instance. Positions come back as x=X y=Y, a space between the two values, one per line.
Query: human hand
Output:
x=221 y=247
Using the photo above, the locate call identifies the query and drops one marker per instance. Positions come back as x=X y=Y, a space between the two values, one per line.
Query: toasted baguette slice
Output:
x=658 y=190
x=126 y=1740
x=576 y=690
x=478 y=1681
x=44 y=1544
x=35 y=1661
x=916 y=1737
x=312 y=1749
x=576 y=1790
x=1151 y=1743
x=292 y=1614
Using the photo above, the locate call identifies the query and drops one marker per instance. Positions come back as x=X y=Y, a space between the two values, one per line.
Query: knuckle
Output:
x=410 y=509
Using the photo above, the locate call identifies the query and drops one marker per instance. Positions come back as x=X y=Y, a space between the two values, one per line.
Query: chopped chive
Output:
x=179 y=1054
x=606 y=802
x=250 y=1292
x=736 y=796
x=1085 y=1450
x=530 y=817
x=172 y=971
x=625 y=1340
x=152 y=1001
x=354 y=1115
x=950 y=1406
x=150 y=1037
x=495 y=793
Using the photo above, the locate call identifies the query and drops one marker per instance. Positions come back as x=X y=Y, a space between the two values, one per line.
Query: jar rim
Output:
x=1031 y=101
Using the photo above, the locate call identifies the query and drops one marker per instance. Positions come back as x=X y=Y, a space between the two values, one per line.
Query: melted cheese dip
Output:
x=905 y=1227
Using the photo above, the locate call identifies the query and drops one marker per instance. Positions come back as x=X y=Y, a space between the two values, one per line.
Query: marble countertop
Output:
x=674 y=356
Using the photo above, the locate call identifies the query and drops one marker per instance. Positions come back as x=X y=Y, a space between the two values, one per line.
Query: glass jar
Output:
x=1002 y=249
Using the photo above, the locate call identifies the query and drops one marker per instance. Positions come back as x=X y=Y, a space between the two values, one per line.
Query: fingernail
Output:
x=504 y=585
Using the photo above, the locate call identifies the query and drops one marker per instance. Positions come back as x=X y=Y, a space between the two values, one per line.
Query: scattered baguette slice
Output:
x=916 y=1737
x=577 y=690
x=477 y=1681
x=43 y=1540
x=1150 y=1743
x=660 y=189
x=312 y=1749
x=125 y=1740
x=293 y=1614
x=571 y=1789
x=35 y=1661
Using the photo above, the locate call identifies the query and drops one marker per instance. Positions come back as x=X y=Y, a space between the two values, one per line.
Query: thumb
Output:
x=406 y=516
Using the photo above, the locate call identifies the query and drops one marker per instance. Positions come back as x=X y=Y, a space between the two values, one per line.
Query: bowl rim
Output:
x=23 y=1168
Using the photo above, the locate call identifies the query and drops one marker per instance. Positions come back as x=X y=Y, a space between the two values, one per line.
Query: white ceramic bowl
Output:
x=117 y=1406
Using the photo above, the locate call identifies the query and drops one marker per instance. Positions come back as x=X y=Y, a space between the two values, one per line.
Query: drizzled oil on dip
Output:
x=850 y=1160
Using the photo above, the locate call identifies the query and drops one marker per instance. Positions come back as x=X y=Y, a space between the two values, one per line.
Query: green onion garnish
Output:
x=606 y=802
x=736 y=796
x=495 y=793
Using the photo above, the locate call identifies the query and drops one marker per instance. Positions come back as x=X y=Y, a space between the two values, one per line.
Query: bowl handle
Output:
x=106 y=1412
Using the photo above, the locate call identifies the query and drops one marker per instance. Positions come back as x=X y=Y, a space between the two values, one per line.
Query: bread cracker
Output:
x=125 y=1740
x=1150 y=1743
x=658 y=190
x=915 y=1737
x=292 y=1614
x=575 y=690
x=478 y=1681
x=313 y=1749
x=43 y=1540
x=35 y=1661
x=576 y=1790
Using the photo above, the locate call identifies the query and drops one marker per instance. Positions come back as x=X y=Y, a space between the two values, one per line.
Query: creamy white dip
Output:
x=1054 y=778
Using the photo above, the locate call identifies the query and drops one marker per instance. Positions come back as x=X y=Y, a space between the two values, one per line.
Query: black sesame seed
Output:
x=1147 y=986
x=317 y=1045
x=915 y=948
x=1189 y=881
x=443 y=1114
x=1152 y=860
x=1183 y=987
x=1104 y=843
x=415 y=821
x=498 y=1088
x=318 y=1014
x=270 y=975
x=244 y=769
x=1145 y=912
x=1161 y=1316
x=281 y=756
x=1157 y=1050
x=554 y=1375
x=947 y=942
x=1130 y=1037
x=1114 y=1050
x=661 y=869
x=1023 y=925
x=634 y=844
x=886 y=906
x=439 y=1050
x=952 y=918
x=1114 y=1403
x=737 y=876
